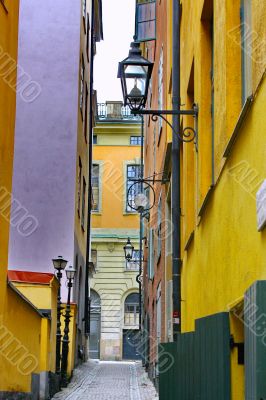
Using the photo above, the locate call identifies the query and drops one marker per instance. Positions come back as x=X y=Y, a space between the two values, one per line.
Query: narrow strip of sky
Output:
x=118 y=28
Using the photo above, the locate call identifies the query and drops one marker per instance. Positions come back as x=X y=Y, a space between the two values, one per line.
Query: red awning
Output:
x=30 y=277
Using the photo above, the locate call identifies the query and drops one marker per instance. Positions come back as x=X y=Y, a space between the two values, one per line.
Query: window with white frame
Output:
x=135 y=140
x=160 y=90
x=83 y=204
x=133 y=172
x=151 y=254
x=134 y=263
x=82 y=74
x=95 y=182
x=246 y=45
x=131 y=311
x=94 y=257
x=79 y=185
x=84 y=7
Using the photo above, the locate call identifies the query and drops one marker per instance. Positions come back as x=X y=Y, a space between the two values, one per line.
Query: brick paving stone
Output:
x=102 y=380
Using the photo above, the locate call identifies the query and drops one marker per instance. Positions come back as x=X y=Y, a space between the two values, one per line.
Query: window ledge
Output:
x=130 y=213
x=205 y=201
x=189 y=241
x=239 y=123
x=2 y=2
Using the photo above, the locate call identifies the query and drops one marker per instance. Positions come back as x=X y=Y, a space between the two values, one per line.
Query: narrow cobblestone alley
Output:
x=99 y=380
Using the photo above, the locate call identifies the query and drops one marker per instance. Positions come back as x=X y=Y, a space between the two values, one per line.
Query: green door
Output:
x=255 y=341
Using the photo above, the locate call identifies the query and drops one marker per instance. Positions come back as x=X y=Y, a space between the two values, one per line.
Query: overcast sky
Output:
x=118 y=30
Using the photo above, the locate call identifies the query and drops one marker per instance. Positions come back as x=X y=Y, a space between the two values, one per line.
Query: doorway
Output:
x=95 y=325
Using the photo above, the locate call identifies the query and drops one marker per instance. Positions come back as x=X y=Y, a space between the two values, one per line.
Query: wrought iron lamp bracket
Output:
x=189 y=134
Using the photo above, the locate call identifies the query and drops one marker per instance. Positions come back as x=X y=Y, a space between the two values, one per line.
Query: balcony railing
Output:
x=114 y=111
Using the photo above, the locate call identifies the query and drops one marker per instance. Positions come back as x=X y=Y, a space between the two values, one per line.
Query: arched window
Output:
x=132 y=309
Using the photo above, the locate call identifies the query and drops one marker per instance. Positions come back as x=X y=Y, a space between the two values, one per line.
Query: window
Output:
x=133 y=265
x=95 y=187
x=246 y=45
x=205 y=164
x=159 y=313
x=95 y=139
x=133 y=172
x=84 y=7
x=86 y=112
x=159 y=228
x=83 y=204
x=88 y=38
x=132 y=309
x=160 y=90
x=79 y=185
x=146 y=20
x=135 y=140
x=82 y=73
x=151 y=254
x=94 y=257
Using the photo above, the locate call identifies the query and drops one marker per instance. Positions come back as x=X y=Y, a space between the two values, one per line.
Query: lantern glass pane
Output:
x=135 y=71
x=135 y=87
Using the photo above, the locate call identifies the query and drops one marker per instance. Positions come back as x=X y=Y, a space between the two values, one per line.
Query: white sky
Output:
x=118 y=30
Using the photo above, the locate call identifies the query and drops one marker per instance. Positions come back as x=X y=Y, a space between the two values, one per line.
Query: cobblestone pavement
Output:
x=102 y=380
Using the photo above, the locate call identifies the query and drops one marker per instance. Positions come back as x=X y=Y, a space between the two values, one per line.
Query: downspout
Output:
x=86 y=307
x=138 y=278
x=176 y=184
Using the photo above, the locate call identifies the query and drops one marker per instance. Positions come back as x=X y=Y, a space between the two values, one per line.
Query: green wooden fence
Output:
x=197 y=366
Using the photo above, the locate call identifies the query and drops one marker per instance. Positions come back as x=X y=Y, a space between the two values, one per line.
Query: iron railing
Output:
x=102 y=113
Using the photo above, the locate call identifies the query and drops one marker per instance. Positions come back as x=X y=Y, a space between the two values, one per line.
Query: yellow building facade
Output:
x=24 y=355
x=116 y=152
x=222 y=192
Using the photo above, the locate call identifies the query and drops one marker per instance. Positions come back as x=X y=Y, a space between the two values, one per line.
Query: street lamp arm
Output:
x=189 y=134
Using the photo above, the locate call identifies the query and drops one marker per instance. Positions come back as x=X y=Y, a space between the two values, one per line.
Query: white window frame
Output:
x=82 y=85
x=246 y=45
x=136 y=163
x=160 y=91
x=134 y=263
x=100 y=164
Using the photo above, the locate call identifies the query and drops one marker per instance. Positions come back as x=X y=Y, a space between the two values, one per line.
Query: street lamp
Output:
x=59 y=265
x=70 y=274
x=128 y=249
x=135 y=74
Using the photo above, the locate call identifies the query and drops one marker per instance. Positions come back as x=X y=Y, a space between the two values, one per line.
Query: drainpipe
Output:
x=86 y=307
x=176 y=184
x=141 y=224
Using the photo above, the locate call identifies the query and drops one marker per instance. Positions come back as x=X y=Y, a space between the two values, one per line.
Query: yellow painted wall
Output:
x=15 y=374
x=44 y=297
x=113 y=156
x=218 y=192
x=8 y=51
x=227 y=253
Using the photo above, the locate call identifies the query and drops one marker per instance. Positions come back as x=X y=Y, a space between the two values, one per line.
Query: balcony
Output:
x=115 y=111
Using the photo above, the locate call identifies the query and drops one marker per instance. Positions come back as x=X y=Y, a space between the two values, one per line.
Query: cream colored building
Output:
x=114 y=308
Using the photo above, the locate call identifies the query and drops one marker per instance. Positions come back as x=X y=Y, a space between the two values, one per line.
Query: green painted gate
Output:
x=198 y=364
x=255 y=341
